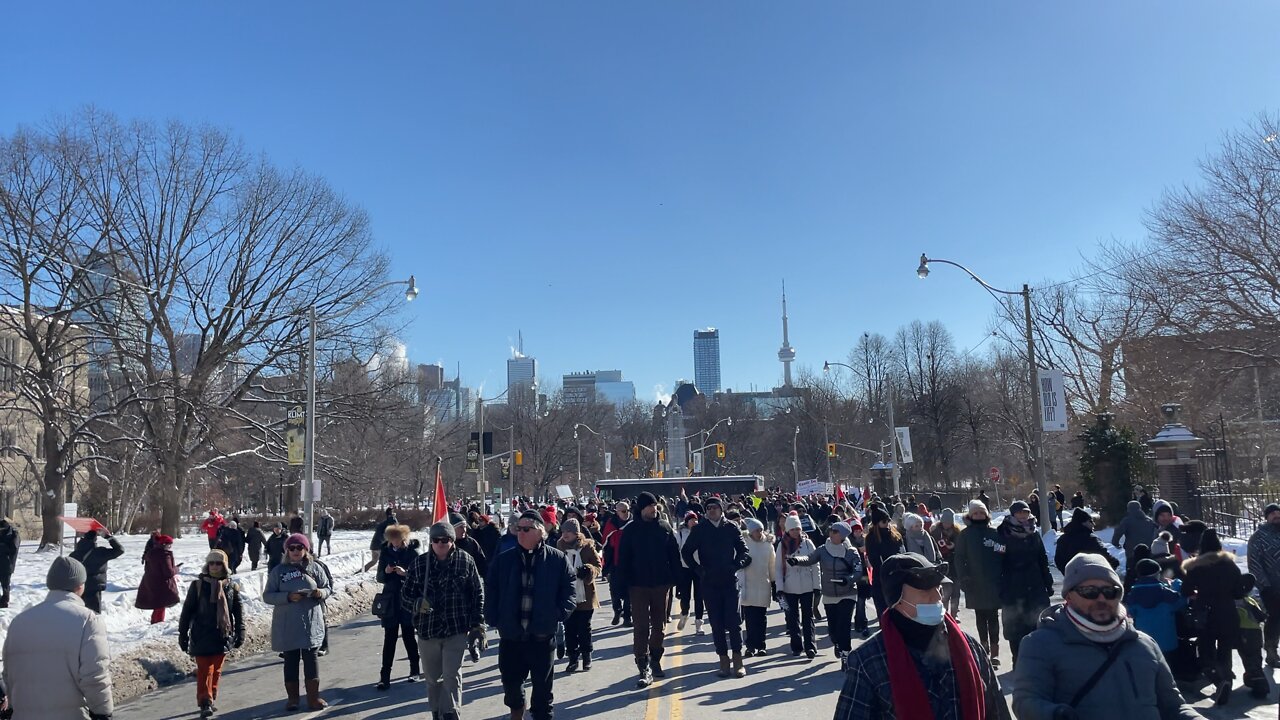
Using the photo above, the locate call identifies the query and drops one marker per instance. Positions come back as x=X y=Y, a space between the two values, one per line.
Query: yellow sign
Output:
x=295 y=435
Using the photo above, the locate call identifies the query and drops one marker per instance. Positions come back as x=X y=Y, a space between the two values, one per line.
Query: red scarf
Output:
x=910 y=700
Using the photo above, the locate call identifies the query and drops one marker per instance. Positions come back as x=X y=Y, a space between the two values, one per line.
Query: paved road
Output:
x=784 y=686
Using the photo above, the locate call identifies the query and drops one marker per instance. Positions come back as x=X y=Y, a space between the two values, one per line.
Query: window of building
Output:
x=39 y=445
x=7 y=443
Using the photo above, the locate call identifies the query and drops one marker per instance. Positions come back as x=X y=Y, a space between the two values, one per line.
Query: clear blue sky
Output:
x=610 y=176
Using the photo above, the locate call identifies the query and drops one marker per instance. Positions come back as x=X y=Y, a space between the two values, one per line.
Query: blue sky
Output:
x=608 y=176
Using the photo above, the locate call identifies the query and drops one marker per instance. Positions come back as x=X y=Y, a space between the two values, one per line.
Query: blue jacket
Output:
x=1154 y=607
x=554 y=599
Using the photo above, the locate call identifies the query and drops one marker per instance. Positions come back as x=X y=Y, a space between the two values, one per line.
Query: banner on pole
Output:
x=473 y=454
x=697 y=463
x=295 y=435
x=904 y=444
x=1053 y=413
x=608 y=463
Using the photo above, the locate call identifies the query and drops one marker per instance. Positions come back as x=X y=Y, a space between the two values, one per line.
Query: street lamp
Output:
x=578 y=440
x=1033 y=413
x=795 y=458
x=309 y=442
x=893 y=436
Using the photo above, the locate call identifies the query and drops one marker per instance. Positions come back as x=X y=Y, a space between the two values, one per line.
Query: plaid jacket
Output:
x=452 y=589
x=868 y=696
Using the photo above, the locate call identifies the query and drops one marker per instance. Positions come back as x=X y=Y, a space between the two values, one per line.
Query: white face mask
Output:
x=928 y=613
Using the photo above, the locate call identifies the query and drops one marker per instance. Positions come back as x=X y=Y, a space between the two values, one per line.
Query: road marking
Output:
x=677 y=713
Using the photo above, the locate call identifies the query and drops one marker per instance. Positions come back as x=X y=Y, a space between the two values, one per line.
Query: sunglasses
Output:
x=924 y=578
x=526 y=528
x=296 y=548
x=441 y=540
x=1091 y=592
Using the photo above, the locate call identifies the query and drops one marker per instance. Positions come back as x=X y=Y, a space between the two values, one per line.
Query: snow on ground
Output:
x=128 y=627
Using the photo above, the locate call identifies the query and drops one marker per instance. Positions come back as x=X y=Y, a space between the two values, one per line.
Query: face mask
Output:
x=929 y=613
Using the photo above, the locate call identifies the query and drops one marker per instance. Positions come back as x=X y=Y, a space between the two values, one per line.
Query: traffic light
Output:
x=520 y=457
x=635 y=452
x=719 y=451
x=662 y=456
x=831 y=450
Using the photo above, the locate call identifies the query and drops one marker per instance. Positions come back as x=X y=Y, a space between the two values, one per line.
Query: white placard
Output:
x=904 y=444
x=563 y=492
x=1053 y=410
x=813 y=487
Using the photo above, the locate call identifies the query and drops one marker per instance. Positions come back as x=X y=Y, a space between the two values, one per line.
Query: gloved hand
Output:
x=746 y=560
x=477 y=635
x=239 y=640
x=1065 y=712
x=99 y=716
x=184 y=643
x=584 y=573
x=791 y=560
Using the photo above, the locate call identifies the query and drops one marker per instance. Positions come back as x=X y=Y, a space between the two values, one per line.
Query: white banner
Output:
x=1053 y=411
x=608 y=463
x=697 y=463
x=904 y=444
x=813 y=487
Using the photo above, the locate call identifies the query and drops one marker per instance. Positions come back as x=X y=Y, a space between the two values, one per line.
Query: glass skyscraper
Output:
x=706 y=360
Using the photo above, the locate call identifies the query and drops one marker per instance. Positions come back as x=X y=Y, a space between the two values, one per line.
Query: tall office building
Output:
x=522 y=370
x=605 y=386
x=706 y=360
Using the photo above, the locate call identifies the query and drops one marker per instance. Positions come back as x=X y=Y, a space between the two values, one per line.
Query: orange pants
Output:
x=208 y=672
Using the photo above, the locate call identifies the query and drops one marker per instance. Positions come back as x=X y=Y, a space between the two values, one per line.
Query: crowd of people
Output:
x=1180 y=611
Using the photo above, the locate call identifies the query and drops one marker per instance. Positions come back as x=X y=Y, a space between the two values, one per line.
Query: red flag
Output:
x=440 y=508
x=839 y=492
x=866 y=497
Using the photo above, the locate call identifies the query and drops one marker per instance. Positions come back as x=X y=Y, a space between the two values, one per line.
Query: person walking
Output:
x=398 y=555
x=211 y=526
x=883 y=541
x=1212 y=583
x=275 y=546
x=1086 y=659
x=796 y=584
x=920 y=664
x=210 y=626
x=1264 y=565
x=528 y=591
x=487 y=534
x=324 y=532
x=978 y=567
x=688 y=586
x=584 y=562
x=649 y=558
x=716 y=551
x=1078 y=539
x=255 y=539
x=1077 y=501
x=1133 y=530
x=1154 y=606
x=296 y=590
x=468 y=544
x=446 y=597
x=9 y=543
x=158 y=590
x=945 y=532
x=379 y=537
x=756 y=583
x=1025 y=581
x=618 y=593
x=57 y=663
x=916 y=539
x=95 y=561
x=841 y=569
x=231 y=542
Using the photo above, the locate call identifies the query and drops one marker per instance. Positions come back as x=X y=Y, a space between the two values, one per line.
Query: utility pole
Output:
x=309 y=442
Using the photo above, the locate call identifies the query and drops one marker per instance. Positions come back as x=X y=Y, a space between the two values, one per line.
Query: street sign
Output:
x=1053 y=412
x=295 y=435
x=994 y=474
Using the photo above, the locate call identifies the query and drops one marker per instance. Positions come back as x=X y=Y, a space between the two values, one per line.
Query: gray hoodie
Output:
x=1134 y=530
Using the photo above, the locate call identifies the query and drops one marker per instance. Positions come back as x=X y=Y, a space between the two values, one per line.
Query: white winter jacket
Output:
x=799 y=579
x=56 y=661
x=754 y=579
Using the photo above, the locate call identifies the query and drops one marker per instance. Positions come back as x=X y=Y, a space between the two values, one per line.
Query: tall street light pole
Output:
x=895 y=471
x=309 y=442
x=795 y=458
x=1033 y=408
x=578 y=439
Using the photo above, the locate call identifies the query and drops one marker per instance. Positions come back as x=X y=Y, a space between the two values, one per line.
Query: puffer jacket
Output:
x=1134 y=530
x=1055 y=661
x=840 y=569
x=715 y=554
x=648 y=554
x=582 y=553
x=56 y=661
x=754 y=579
x=1154 y=607
x=1213 y=579
x=297 y=625
x=1264 y=557
x=798 y=579
x=922 y=543
x=198 y=624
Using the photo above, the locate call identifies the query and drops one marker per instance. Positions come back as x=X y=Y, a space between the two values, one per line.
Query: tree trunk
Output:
x=51 y=502
x=171 y=501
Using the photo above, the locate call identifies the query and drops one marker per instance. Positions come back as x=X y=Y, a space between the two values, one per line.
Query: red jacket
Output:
x=212 y=524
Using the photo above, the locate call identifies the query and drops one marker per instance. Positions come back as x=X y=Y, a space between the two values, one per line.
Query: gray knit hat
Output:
x=442 y=529
x=1088 y=566
x=65 y=574
x=571 y=525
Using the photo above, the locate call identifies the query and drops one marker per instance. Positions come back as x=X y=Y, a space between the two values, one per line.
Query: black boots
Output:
x=646 y=675
x=586 y=661
x=572 y=667
x=384 y=678
x=655 y=663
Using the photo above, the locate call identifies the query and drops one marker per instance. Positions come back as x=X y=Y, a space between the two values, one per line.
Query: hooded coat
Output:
x=1154 y=607
x=755 y=579
x=579 y=554
x=1076 y=538
x=978 y=564
x=393 y=582
x=1134 y=530
x=1213 y=578
x=1025 y=580
x=1055 y=661
x=159 y=586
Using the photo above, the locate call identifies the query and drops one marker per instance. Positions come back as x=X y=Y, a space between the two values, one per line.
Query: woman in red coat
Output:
x=159 y=588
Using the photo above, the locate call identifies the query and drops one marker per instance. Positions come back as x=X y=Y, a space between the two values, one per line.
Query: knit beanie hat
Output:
x=645 y=500
x=1080 y=516
x=455 y=519
x=65 y=574
x=754 y=524
x=1147 y=567
x=878 y=515
x=1087 y=566
x=844 y=529
x=1209 y=542
x=978 y=506
x=571 y=525
x=1270 y=508
x=442 y=529
x=1019 y=506
x=298 y=539
x=792 y=523
x=530 y=515
x=947 y=515
x=713 y=500
x=1160 y=546
x=910 y=521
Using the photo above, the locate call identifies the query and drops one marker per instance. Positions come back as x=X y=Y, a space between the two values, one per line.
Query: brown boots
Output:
x=739 y=670
x=291 y=691
x=314 y=701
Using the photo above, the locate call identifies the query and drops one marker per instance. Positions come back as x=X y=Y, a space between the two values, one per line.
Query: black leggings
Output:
x=310 y=666
x=757 y=624
x=689 y=586
x=989 y=630
x=389 y=636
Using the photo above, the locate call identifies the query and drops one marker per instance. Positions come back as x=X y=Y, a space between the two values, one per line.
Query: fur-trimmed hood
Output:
x=1210 y=558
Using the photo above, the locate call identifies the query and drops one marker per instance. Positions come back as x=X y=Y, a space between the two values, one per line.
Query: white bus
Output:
x=670 y=487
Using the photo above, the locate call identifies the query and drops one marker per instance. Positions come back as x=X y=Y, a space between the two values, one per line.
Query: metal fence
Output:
x=1236 y=514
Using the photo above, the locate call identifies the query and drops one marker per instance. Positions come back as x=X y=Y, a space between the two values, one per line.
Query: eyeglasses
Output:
x=526 y=528
x=441 y=540
x=295 y=548
x=1091 y=592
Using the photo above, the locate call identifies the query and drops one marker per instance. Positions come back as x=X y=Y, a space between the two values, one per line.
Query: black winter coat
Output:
x=880 y=547
x=380 y=532
x=9 y=542
x=488 y=537
x=471 y=546
x=1213 y=580
x=254 y=540
x=649 y=555
x=722 y=551
x=1077 y=539
x=231 y=541
x=95 y=561
x=1024 y=575
x=553 y=593
x=392 y=582
x=198 y=624
x=275 y=549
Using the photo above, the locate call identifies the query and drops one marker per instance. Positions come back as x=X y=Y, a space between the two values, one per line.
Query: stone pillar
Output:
x=1177 y=470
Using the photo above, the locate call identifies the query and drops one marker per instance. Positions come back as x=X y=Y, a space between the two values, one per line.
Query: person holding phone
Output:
x=398 y=553
x=296 y=590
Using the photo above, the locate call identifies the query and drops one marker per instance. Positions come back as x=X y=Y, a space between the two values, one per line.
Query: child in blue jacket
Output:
x=1154 y=605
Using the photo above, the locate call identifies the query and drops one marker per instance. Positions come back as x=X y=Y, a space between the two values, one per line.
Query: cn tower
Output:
x=787 y=354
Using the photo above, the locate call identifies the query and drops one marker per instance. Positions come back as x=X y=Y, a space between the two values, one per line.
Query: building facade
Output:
x=706 y=360
x=605 y=386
